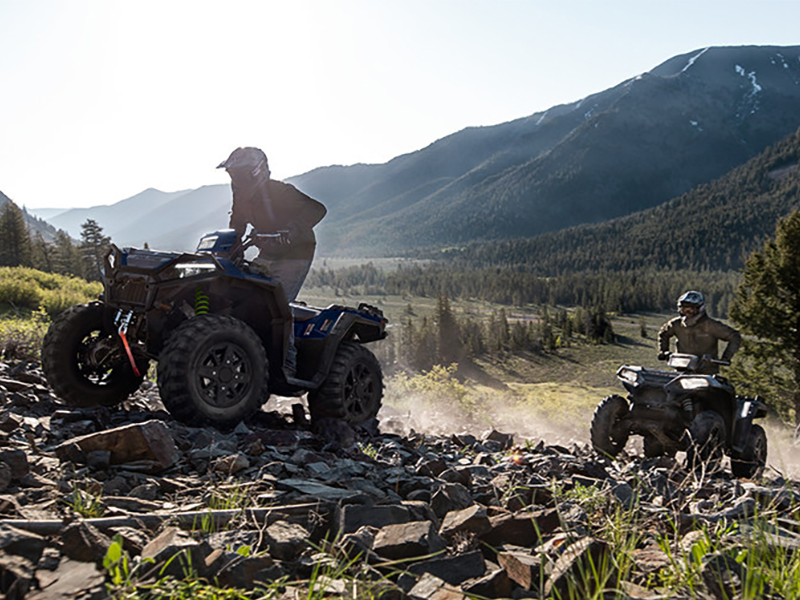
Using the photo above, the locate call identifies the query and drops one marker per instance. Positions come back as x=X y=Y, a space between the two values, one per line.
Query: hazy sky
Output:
x=102 y=99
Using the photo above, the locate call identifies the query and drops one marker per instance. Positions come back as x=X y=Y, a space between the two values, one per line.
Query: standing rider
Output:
x=281 y=210
x=697 y=333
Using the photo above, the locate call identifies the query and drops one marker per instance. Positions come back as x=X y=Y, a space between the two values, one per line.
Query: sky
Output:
x=102 y=99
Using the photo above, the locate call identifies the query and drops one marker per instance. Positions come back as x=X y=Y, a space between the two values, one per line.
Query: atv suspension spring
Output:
x=202 y=303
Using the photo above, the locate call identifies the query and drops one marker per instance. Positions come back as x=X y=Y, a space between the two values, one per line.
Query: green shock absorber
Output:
x=202 y=303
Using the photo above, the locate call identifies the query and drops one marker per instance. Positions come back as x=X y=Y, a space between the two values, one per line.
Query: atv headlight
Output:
x=693 y=383
x=191 y=269
x=630 y=375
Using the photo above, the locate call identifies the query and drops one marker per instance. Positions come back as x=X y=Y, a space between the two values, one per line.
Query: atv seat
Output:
x=301 y=312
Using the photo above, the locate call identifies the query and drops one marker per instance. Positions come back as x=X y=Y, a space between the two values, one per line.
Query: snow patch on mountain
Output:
x=692 y=60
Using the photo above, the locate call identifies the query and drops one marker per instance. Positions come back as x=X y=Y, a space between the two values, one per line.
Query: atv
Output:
x=683 y=410
x=221 y=333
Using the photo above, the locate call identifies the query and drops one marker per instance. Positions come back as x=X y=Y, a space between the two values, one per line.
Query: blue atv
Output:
x=221 y=333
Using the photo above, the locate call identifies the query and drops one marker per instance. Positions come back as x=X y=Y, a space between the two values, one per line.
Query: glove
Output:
x=663 y=355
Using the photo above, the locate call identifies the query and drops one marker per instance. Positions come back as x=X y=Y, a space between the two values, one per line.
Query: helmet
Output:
x=251 y=161
x=692 y=298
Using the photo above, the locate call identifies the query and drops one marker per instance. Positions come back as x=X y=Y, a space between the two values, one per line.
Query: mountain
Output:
x=35 y=223
x=714 y=227
x=634 y=146
x=637 y=145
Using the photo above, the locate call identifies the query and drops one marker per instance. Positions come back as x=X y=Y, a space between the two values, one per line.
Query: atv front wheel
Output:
x=213 y=370
x=707 y=433
x=609 y=435
x=754 y=456
x=353 y=389
x=86 y=364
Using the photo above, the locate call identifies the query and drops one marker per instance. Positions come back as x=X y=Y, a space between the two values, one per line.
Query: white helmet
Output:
x=692 y=298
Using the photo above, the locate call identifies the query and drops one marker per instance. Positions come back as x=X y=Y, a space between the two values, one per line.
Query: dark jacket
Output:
x=282 y=208
x=701 y=338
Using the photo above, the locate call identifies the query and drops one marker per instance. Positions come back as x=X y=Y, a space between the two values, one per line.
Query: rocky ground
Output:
x=98 y=503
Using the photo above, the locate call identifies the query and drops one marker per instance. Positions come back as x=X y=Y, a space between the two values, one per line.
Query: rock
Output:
x=179 y=550
x=17 y=462
x=149 y=441
x=472 y=520
x=494 y=584
x=231 y=464
x=21 y=543
x=450 y=497
x=430 y=587
x=285 y=541
x=5 y=476
x=313 y=488
x=524 y=528
x=98 y=460
x=454 y=570
x=72 y=579
x=84 y=543
x=573 y=570
x=351 y=517
x=407 y=540
x=239 y=571
x=526 y=569
x=16 y=574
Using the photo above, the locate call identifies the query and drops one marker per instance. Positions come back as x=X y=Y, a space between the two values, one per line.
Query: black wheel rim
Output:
x=97 y=356
x=360 y=387
x=224 y=375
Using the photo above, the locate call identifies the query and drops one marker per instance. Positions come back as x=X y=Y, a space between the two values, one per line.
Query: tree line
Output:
x=446 y=338
x=19 y=247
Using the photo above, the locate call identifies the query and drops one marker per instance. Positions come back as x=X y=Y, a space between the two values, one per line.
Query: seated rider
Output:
x=697 y=333
x=273 y=207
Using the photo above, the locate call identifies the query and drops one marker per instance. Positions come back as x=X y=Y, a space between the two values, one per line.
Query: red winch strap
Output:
x=130 y=354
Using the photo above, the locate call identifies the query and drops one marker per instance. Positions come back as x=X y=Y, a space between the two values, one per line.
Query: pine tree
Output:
x=93 y=247
x=767 y=306
x=66 y=257
x=450 y=347
x=15 y=246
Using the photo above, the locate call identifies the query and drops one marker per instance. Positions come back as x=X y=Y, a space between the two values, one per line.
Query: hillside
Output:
x=712 y=227
x=634 y=146
x=35 y=223
x=631 y=147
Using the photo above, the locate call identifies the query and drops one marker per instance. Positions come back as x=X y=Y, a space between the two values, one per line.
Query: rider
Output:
x=276 y=208
x=273 y=207
x=697 y=333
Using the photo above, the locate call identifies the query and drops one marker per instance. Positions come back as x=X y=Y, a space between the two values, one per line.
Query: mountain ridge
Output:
x=636 y=145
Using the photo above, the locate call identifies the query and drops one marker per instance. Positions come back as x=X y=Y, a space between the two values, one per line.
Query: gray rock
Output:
x=407 y=540
x=454 y=570
x=84 y=542
x=430 y=587
x=450 y=497
x=472 y=520
x=149 y=441
x=286 y=541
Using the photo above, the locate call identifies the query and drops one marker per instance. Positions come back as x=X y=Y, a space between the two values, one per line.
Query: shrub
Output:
x=21 y=338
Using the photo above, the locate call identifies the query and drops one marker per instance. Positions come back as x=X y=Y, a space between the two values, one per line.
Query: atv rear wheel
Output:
x=754 y=456
x=353 y=389
x=86 y=364
x=609 y=435
x=707 y=432
x=213 y=370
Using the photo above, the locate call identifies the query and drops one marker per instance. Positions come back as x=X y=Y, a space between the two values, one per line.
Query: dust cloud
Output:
x=404 y=413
